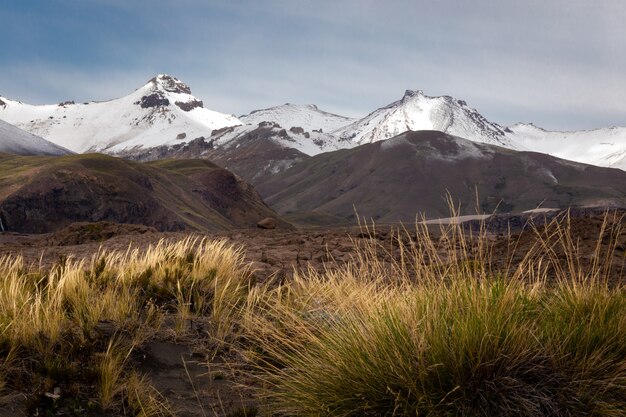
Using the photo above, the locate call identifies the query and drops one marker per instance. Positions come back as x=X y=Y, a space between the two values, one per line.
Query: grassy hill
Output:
x=41 y=194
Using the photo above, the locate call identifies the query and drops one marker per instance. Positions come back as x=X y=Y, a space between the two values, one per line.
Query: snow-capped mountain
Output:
x=18 y=141
x=417 y=111
x=602 y=147
x=162 y=112
x=308 y=117
x=163 y=118
x=302 y=127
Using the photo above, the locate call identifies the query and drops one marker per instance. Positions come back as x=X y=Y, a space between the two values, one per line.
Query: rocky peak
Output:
x=409 y=94
x=160 y=86
x=170 y=84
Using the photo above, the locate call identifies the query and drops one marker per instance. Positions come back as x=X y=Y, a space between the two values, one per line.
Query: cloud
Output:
x=558 y=63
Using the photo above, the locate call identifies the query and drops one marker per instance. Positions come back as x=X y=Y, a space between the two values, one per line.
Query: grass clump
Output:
x=433 y=328
x=81 y=321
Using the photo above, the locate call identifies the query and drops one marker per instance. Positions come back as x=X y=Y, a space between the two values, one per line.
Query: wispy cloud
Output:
x=557 y=63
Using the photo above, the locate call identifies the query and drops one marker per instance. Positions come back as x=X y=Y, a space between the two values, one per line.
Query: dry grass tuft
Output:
x=430 y=327
x=80 y=321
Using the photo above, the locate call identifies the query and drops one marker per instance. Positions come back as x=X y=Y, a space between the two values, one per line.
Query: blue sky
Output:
x=559 y=64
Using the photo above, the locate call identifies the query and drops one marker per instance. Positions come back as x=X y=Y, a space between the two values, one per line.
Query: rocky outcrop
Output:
x=153 y=100
x=68 y=196
x=267 y=223
x=190 y=105
x=171 y=84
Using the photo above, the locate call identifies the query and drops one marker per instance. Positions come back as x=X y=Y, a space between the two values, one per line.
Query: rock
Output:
x=267 y=223
x=153 y=100
x=190 y=105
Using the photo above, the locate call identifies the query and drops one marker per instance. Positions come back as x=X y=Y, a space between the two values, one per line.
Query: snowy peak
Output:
x=169 y=84
x=163 y=112
x=165 y=90
x=308 y=117
x=408 y=94
x=301 y=127
x=417 y=111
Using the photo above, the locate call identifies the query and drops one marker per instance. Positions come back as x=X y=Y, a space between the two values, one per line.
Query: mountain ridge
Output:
x=161 y=112
x=395 y=179
x=165 y=116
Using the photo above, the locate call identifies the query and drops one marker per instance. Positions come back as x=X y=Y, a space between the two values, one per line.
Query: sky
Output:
x=560 y=64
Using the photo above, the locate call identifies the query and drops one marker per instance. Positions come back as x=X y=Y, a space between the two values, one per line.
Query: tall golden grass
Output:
x=425 y=323
x=433 y=327
x=81 y=320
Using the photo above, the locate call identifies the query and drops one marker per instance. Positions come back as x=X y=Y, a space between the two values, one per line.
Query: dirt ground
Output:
x=200 y=381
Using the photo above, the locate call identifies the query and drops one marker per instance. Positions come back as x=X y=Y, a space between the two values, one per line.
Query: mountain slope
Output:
x=602 y=147
x=417 y=111
x=309 y=117
x=162 y=119
x=252 y=154
x=270 y=140
x=301 y=127
x=20 y=142
x=394 y=180
x=41 y=194
x=162 y=112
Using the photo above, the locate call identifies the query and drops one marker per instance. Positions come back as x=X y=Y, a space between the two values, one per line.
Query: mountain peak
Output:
x=412 y=93
x=170 y=84
x=158 y=93
x=418 y=111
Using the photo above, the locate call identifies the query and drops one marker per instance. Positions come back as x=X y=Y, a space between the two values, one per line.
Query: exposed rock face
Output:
x=267 y=223
x=269 y=125
x=153 y=100
x=66 y=103
x=169 y=83
x=216 y=132
x=297 y=130
x=43 y=205
x=194 y=148
x=2 y=103
x=190 y=105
